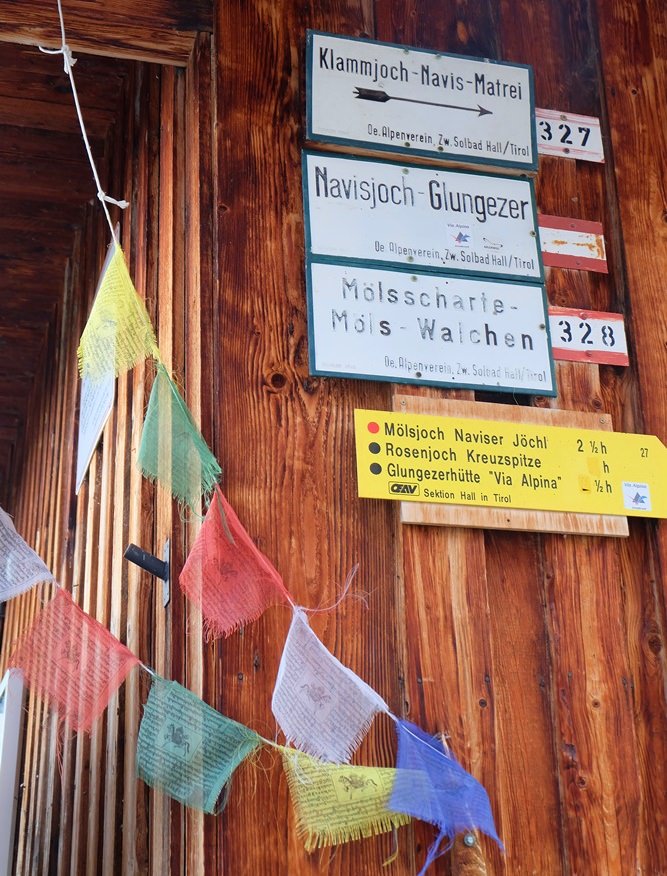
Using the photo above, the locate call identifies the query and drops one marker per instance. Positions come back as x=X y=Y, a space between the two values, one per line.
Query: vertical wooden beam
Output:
x=288 y=459
x=201 y=351
x=444 y=604
x=136 y=235
x=634 y=93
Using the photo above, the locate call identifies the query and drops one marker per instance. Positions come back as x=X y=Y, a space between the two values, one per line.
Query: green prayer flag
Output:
x=186 y=748
x=172 y=449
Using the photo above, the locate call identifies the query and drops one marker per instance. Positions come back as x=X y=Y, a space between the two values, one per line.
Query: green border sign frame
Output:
x=527 y=167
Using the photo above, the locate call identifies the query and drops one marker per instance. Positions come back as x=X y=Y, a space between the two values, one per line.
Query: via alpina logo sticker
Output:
x=636 y=496
x=461 y=235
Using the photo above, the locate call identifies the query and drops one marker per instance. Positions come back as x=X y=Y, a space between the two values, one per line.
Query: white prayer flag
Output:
x=322 y=707
x=20 y=567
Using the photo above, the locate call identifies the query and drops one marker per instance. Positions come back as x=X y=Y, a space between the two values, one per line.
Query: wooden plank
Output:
x=103 y=75
x=40 y=508
x=160 y=31
x=40 y=143
x=574 y=69
x=89 y=855
x=52 y=523
x=287 y=461
x=632 y=107
x=31 y=527
x=87 y=595
x=437 y=694
x=200 y=257
x=31 y=217
x=140 y=518
x=34 y=76
x=47 y=116
x=71 y=744
x=163 y=180
x=35 y=180
x=432 y=514
x=527 y=799
x=186 y=628
x=65 y=824
x=115 y=617
x=633 y=91
x=592 y=708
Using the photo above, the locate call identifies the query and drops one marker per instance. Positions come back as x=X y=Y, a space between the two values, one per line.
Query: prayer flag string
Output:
x=185 y=748
x=190 y=751
x=119 y=334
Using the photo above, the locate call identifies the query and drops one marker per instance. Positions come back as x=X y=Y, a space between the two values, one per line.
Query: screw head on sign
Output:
x=469 y=840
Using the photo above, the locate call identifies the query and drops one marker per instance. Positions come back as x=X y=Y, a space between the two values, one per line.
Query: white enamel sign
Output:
x=444 y=330
x=417 y=216
x=409 y=100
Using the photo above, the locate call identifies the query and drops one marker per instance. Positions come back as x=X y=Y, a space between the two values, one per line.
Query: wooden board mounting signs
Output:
x=367 y=211
x=439 y=329
x=522 y=520
x=376 y=95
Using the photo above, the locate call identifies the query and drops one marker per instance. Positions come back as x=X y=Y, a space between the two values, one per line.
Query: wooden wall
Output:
x=540 y=656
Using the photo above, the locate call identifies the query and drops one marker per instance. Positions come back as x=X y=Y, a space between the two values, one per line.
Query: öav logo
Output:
x=404 y=487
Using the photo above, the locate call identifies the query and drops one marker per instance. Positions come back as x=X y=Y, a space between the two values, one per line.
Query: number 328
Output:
x=585 y=330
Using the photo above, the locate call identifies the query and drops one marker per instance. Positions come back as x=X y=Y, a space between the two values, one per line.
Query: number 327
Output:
x=547 y=134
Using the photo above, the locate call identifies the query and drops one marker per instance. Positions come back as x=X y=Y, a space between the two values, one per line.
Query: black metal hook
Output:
x=152 y=565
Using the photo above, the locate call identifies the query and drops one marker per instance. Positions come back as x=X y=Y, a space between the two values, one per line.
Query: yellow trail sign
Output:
x=503 y=464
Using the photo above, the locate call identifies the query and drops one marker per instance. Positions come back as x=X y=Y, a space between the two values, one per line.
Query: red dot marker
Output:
x=373 y=428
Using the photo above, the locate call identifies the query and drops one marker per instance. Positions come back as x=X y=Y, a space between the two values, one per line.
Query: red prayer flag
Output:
x=226 y=575
x=73 y=661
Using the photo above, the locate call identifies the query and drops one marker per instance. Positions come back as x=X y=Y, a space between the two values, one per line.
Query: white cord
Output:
x=69 y=63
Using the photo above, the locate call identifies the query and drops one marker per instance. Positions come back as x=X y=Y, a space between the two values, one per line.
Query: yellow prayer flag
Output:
x=336 y=803
x=119 y=332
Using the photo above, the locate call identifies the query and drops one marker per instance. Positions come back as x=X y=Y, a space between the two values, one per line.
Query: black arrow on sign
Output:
x=382 y=97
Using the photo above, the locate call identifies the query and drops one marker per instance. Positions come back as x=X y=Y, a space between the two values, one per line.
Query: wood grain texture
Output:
x=288 y=461
x=161 y=31
x=634 y=87
x=540 y=656
x=135 y=852
x=446 y=660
